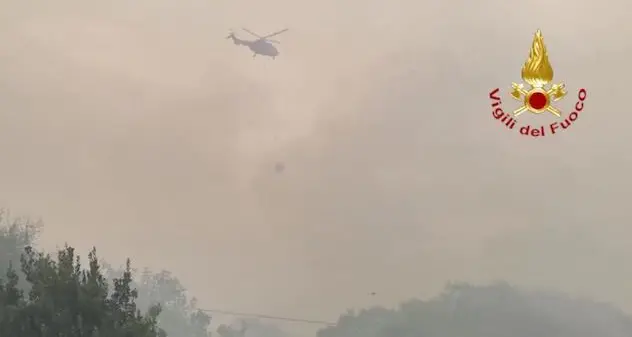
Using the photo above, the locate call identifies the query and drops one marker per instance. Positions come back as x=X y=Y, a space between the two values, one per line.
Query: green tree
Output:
x=15 y=235
x=179 y=315
x=66 y=300
x=491 y=311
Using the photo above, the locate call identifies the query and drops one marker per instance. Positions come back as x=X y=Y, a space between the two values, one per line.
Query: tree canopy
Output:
x=487 y=311
x=179 y=316
x=66 y=300
x=15 y=235
x=46 y=296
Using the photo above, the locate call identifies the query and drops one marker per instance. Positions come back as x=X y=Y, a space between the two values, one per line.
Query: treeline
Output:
x=65 y=299
x=487 y=311
x=59 y=296
x=63 y=296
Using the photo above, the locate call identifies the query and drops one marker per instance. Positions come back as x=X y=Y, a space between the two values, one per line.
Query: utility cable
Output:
x=280 y=318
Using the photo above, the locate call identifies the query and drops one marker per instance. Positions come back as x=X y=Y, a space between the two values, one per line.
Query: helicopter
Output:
x=262 y=46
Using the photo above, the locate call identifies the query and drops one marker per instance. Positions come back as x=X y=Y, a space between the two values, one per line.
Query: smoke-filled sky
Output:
x=137 y=127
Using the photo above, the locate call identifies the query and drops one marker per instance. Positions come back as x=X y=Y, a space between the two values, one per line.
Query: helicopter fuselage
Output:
x=258 y=47
x=263 y=47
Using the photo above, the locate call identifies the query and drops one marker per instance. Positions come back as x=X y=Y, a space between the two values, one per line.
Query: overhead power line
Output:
x=280 y=318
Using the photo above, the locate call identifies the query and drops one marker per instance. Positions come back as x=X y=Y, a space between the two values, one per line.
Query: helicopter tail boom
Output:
x=236 y=40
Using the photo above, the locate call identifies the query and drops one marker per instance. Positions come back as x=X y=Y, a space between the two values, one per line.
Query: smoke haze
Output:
x=136 y=127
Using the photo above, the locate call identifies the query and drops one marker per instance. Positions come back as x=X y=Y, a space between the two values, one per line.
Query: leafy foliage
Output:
x=161 y=290
x=491 y=311
x=57 y=297
x=66 y=300
x=15 y=235
x=179 y=316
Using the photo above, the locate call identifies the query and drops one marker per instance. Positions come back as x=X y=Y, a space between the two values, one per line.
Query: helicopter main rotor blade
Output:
x=259 y=37
x=275 y=34
x=273 y=41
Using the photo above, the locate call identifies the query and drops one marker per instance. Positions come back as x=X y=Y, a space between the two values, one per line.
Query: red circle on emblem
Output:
x=538 y=100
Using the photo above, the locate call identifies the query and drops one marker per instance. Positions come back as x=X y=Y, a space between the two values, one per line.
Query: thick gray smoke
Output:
x=136 y=127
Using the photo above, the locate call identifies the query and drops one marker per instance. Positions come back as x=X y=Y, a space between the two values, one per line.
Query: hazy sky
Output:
x=137 y=127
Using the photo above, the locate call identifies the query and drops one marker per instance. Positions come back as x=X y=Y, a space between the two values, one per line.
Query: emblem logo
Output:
x=539 y=95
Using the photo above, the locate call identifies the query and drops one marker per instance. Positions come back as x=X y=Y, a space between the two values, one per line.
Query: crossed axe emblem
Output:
x=537 y=99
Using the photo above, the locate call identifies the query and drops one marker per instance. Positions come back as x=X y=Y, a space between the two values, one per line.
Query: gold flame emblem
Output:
x=538 y=73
